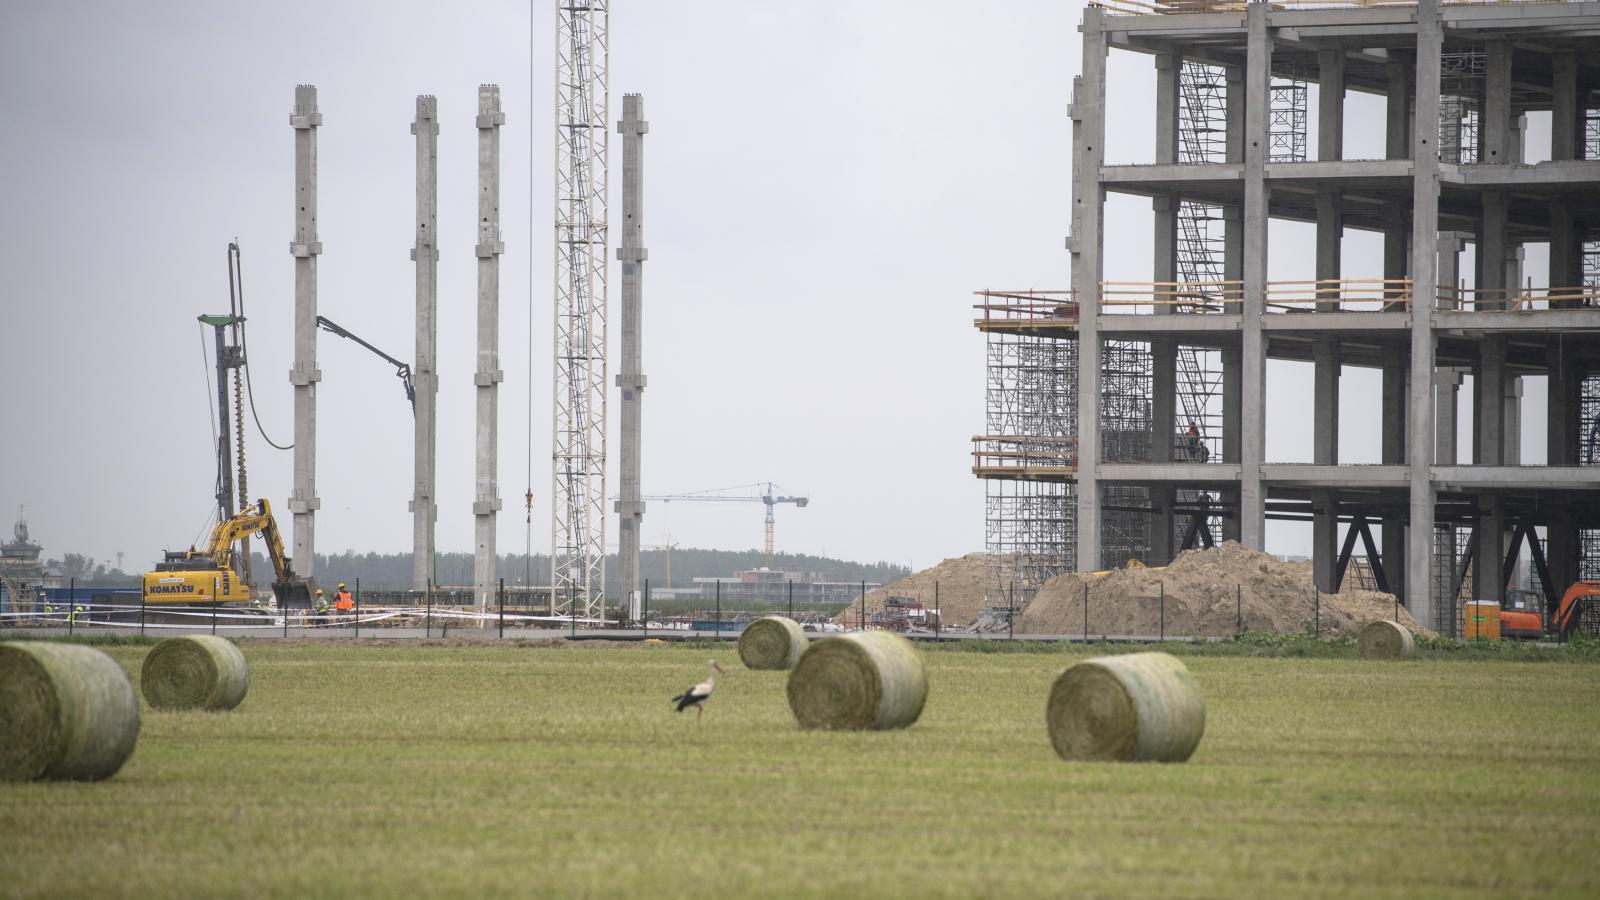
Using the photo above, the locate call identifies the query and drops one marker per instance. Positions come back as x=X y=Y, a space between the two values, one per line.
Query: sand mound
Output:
x=960 y=590
x=1200 y=585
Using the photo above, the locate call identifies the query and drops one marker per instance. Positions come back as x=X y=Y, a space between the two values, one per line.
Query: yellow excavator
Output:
x=206 y=577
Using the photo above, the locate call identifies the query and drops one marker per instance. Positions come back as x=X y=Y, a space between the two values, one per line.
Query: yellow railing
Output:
x=1352 y=294
x=1176 y=296
x=1523 y=299
x=1036 y=308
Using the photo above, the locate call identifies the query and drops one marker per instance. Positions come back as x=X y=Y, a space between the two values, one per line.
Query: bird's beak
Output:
x=717 y=667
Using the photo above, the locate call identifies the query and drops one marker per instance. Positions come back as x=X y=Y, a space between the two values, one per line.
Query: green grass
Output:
x=471 y=770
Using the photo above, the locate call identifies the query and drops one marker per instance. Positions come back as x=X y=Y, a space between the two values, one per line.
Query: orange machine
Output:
x=1579 y=608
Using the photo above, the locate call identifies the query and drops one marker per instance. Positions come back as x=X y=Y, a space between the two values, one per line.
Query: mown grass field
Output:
x=470 y=770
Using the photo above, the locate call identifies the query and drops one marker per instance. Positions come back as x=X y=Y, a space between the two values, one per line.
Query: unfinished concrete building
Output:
x=1167 y=376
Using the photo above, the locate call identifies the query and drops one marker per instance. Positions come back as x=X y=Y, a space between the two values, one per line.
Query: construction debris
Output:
x=1207 y=593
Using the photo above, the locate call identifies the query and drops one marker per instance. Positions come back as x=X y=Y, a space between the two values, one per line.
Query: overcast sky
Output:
x=825 y=186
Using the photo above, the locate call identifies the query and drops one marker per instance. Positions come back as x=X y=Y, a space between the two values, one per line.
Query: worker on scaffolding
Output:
x=1192 y=441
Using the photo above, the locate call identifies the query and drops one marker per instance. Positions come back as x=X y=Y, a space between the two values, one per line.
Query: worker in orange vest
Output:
x=343 y=603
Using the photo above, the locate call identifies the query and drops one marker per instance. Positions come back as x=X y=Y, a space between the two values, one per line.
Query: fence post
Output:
x=863 y=606
x=1316 y=611
x=1238 y=610
x=216 y=585
x=1161 y=635
x=1086 y=612
x=427 y=631
x=644 y=610
x=72 y=608
x=938 y=616
x=791 y=597
x=1397 y=608
x=283 y=610
x=719 y=609
x=502 y=599
x=141 y=609
x=358 y=606
x=572 y=607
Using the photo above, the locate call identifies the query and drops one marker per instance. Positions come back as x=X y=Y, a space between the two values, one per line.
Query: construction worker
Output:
x=322 y=604
x=343 y=603
x=1194 y=439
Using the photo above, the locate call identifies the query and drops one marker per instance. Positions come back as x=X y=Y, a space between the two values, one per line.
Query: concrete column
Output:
x=1165 y=244
x=1511 y=431
x=1491 y=257
x=1566 y=110
x=424 y=510
x=1396 y=246
x=1419 y=451
x=1392 y=545
x=1232 y=388
x=1330 y=104
x=1167 y=68
x=1563 y=434
x=1519 y=139
x=1258 y=77
x=1394 y=403
x=1495 y=129
x=1488 y=565
x=488 y=375
x=1325 y=403
x=1330 y=243
x=1233 y=96
x=1449 y=266
x=1324 y=539
x=1488 y=393
x=631 y=380
x=305 y=248
x=1397 y=121
x=1446 y=390
x=1566 y=252
x=1086 y=247
x=1163 y=417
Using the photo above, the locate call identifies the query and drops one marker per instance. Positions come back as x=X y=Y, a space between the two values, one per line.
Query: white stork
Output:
x=700 y=693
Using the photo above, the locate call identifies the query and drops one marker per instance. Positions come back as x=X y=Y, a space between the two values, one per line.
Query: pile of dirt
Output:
x=1208 y=593
x=960 y=583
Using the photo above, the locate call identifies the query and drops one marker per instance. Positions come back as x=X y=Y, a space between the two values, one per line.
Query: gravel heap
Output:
x=1200 y=587
x=960 y=590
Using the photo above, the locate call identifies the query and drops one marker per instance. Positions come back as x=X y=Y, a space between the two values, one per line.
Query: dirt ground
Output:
x=1208 y=593
x=960 y=583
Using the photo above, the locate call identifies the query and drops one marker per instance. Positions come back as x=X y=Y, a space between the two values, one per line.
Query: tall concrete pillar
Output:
x=1163 y=417
x=1495 y=131
x=1396 y=247
x=1446 y=392
x=1325 y=403
x=1395 y=413
x=1491 y=255
x=1330 y=246
x=1325 y=539
x=305 y=248
x=1488 y=397
x=1419 y=451
x=1566 y=108
x=1330 y=104
x=1511 y=431
x=1086 y=247
x=630 y=379
x=1397 y=120
x=488 y=375
x=1167 y=70
x=1258 y=77
x=1488 y=564
x=1232 y=419
x=1563 y=435
x=424 y=372
x=1449 y=267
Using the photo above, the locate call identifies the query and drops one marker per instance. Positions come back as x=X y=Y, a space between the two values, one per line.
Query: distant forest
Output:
x=392 y=571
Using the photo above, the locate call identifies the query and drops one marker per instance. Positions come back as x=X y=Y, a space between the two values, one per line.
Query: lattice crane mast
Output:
x=768 y=497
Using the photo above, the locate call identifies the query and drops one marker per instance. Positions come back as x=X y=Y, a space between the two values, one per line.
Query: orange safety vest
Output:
x=342 y=601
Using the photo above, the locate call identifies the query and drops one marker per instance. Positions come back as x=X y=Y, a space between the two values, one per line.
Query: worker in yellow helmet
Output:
x=322 y=603
x=343 y=604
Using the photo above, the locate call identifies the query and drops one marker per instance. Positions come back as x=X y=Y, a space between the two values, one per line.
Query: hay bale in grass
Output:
x=870 y=679
x=66 y=712
x=1384 y=639
x=1135 y=708
x=772 y=642
x=195 y=672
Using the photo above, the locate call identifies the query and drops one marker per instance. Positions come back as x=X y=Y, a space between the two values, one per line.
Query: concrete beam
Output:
x=424 y=371
x=631 y=379
x=1086 y=247
x=1366 y=476
x=306 y=248
x=1258 y=77
x=1419 y=450
x=1566 y=479
x=488 y=375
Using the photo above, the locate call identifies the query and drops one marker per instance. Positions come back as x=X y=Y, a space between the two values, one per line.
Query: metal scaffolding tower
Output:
x=1460 y=105
x=1286 y=121
x=579 y=457
x=1030 y=530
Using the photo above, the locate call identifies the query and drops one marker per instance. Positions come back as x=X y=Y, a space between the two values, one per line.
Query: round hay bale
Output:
x=1384 y=639
x=869 y=679
x=772 y=642
x=195 y=672
x=66 y=712
x=1135 y=708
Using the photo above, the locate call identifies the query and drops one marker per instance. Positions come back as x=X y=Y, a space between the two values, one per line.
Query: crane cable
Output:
x=211 y=419
x=244 y=347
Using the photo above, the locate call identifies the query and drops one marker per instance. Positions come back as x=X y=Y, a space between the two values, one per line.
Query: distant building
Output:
x=21 y=572
x=773 y=586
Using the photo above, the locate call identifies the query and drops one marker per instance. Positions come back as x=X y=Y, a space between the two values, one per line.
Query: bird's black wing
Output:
x=689 y=698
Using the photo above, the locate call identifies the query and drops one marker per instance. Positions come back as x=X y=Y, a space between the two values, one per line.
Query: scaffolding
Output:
x=1589 y=455
x=1286 y=121
x=1461 y=75
x=1030 y=532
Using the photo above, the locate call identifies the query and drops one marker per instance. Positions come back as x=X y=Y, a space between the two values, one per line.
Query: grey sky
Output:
x=826 y=184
